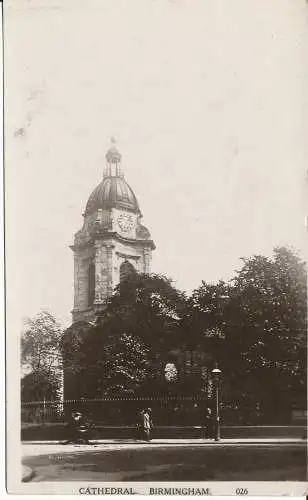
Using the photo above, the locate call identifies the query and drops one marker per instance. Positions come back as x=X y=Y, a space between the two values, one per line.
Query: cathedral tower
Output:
x=112 y=242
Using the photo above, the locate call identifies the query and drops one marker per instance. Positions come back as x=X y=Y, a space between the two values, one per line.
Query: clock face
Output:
x=125 y=222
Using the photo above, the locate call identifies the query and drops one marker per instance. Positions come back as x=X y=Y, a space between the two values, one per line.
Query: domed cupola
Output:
x=113 y=191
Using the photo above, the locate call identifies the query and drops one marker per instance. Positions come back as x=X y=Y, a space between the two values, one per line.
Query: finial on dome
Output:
x=113 y=155
x=113 y=159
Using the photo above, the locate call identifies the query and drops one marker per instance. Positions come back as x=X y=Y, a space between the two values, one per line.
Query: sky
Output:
x=208 y=103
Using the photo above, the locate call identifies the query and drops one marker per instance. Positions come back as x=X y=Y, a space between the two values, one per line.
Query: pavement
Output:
x=35 y=448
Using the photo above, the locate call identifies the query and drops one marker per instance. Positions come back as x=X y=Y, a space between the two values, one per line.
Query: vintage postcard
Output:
x=156 y=226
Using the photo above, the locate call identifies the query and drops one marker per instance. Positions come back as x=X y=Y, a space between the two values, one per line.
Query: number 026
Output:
x=241 y=491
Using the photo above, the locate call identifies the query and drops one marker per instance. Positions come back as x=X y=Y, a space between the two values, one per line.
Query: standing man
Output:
x=147 y=423
x=139 y=425
x=207 y=424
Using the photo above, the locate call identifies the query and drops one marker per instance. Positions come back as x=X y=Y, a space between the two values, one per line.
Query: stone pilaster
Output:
x=81 y=264
x=76 y=280
x=146 y=260
x=101 y=272
x=98 y=261
x=110 y=248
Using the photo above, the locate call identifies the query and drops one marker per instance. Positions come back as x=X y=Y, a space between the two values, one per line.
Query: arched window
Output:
x=91 y=283
x=126 y=270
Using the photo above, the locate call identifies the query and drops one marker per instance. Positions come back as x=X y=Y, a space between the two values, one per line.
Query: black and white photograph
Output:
x=156 y=230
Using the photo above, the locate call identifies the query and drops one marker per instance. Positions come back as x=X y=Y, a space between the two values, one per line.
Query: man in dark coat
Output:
x=78 y=429
x=139 y=425
x=207 y=424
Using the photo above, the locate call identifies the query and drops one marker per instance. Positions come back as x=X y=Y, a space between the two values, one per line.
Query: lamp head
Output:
x=216 y=373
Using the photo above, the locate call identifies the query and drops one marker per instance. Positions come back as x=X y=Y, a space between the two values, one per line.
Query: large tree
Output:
x=255 y=327
x=151 y=307
x=41 y=359
x=267 y=329
x=206 y=317
x=124 y=350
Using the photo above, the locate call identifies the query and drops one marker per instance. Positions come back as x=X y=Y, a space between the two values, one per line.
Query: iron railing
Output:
x=172 y=410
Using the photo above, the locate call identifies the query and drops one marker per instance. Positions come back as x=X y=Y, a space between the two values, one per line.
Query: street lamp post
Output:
x=216 y=373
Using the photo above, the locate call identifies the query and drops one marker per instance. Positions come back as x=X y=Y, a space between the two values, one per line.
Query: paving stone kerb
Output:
x=123 y=442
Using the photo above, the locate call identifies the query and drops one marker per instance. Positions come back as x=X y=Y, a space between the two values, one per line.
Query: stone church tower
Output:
x=112 y=242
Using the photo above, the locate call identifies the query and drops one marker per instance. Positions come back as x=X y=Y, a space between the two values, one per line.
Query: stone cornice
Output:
x=81 y=246
x=128 y=256
x=113 y=235
x=132 y=241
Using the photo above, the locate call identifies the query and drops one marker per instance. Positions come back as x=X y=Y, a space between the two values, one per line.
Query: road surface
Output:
x=167 y=462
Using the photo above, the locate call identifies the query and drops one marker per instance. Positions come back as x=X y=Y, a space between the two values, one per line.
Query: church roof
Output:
x=112 y=192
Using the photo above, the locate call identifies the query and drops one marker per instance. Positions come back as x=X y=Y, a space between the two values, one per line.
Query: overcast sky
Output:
x=208 y=102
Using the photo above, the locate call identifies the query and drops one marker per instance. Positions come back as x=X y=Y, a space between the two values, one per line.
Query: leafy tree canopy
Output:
x=121 y=352
x=41 y=356
x=261 y=314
